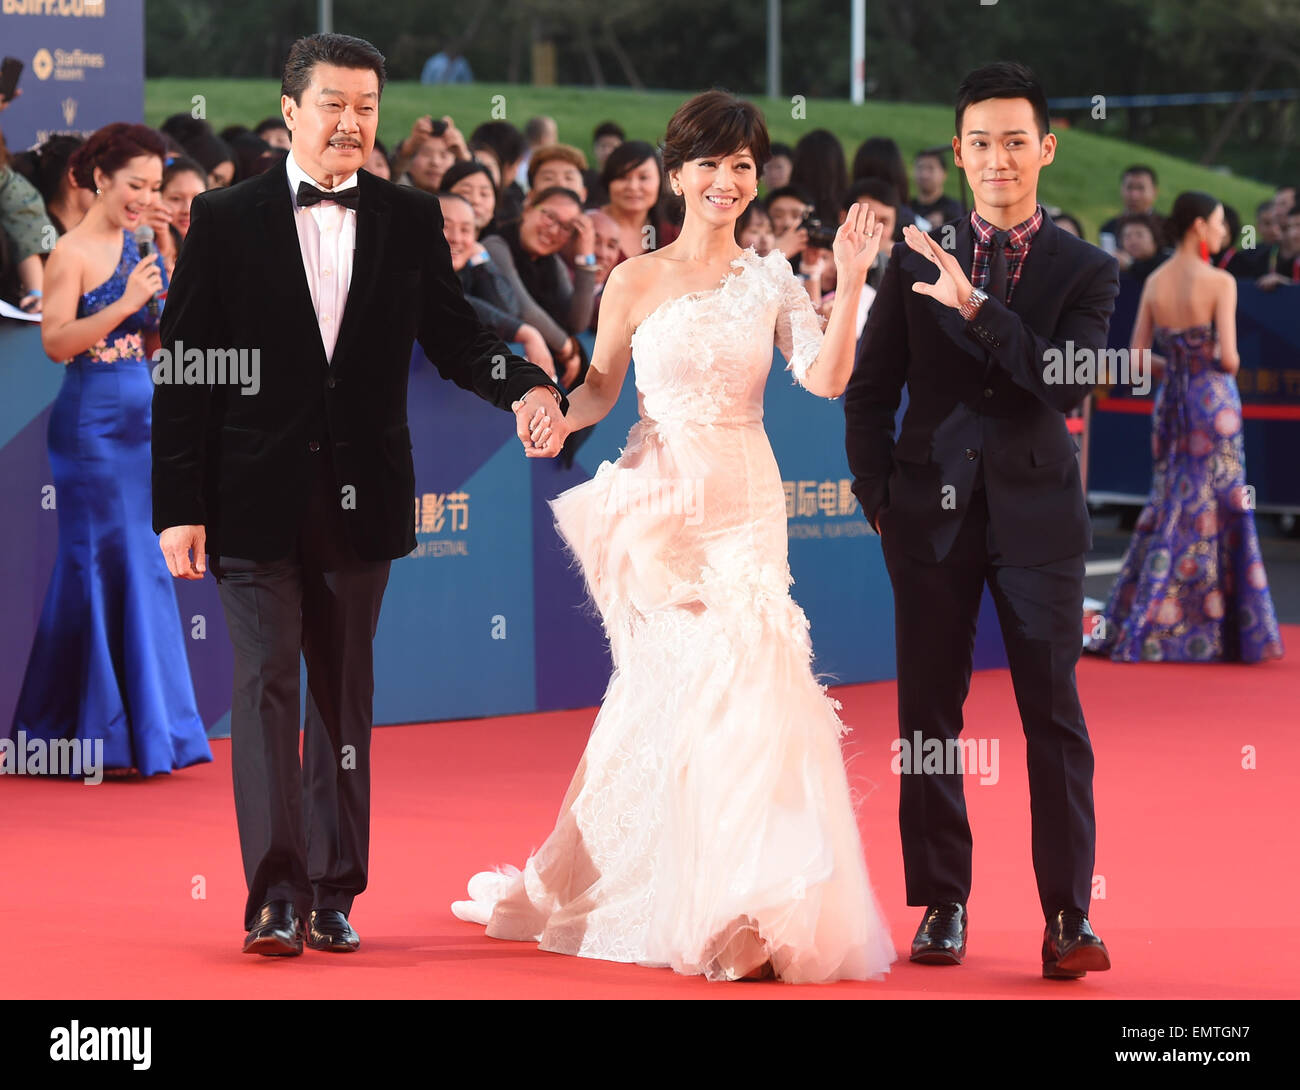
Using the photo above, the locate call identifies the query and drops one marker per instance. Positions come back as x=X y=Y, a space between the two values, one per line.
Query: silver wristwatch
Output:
x=971 y=307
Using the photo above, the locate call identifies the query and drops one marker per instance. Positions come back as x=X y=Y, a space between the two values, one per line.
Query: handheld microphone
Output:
x=144 y=243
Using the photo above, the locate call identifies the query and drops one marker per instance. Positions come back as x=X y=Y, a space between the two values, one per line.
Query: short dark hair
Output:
x=879 y=157
x=800 y=195
x=340 y=50
x=1145 y=219
x=879 y=190
x=1140 y=168
x=535 y=197
x=176 y=165
x=1004 y=79
x=461 y=170
x=782 y=149
x=535 y=127
x=1058 y=217
x=608 y=128
x=502 y=139
x=876 y=188
x=49 y=163
x=626 y=158
x=716 y=123
x=268 y=124
x=940 y=154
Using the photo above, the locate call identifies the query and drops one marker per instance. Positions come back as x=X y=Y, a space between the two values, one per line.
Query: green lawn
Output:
x=1084 y=179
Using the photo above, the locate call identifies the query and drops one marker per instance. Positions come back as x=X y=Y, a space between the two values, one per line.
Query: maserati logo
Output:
x=69 y=110
x=42 y=64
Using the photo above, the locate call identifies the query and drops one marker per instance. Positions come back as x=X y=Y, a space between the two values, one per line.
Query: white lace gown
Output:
x=709 y=825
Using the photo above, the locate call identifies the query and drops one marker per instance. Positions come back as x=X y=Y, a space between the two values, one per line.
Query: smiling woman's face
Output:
x=178 y=195
x=129 y=192
x=477 y=189
x=637 y=191
x=547 y=227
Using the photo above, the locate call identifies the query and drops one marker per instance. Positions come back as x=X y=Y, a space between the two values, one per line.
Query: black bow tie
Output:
x=308 y=195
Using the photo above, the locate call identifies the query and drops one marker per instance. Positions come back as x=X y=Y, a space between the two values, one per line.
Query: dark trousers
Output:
x=304 y=828
x=1040 y=612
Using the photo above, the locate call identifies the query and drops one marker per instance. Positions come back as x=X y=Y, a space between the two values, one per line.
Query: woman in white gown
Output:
x=709 y=825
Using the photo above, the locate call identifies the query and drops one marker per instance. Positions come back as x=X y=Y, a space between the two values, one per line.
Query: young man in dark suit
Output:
x=982 y=486
x=300 y=483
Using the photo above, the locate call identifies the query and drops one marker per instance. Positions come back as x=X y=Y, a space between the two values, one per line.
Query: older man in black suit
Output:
x=300 y=483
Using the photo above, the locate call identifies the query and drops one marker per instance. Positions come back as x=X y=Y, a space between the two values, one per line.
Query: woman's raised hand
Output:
x=857 y=243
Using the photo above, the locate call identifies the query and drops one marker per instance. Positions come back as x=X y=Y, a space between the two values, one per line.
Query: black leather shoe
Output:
x=941 y=938
x=1071 y=948
x=331 y=931
x=276 y=932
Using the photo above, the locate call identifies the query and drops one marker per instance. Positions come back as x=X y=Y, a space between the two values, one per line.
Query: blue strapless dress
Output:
x=109 y=659
x=1192 y=587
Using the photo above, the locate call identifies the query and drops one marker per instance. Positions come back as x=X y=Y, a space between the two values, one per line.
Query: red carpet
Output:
x=1197 y=855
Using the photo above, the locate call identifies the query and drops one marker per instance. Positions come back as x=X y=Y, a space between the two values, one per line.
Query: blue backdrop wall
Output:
x=486 y=616
x=83 y=66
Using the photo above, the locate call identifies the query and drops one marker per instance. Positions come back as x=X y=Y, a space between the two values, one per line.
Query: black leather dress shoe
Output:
x=276 y=932
x=331 y=931
x=941 y=938
x=1071 y=948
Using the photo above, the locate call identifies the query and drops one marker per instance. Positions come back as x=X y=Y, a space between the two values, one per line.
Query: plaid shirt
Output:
x=1018 y=242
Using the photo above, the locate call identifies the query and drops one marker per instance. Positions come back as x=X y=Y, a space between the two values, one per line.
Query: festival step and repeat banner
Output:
x=83 y=66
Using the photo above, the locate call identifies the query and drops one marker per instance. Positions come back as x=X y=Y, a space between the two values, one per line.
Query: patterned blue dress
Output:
x=109 y=659
x=1192 y=587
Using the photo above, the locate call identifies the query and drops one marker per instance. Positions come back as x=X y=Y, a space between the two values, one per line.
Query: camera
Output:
x=820 y=235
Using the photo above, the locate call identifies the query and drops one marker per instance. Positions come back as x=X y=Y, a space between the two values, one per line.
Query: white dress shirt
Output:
x=327 y=234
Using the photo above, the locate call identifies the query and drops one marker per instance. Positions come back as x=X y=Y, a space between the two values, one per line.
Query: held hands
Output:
x=540 y=425
x=952 y=288
x=144 y=282
x=856 y=245
x=176 y=543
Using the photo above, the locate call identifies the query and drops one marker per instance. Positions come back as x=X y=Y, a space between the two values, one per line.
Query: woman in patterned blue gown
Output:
x=109 y=661
x=1192 y=587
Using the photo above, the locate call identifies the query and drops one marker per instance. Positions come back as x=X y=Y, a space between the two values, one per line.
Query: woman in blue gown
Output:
x=1192 y=587
x=109 y=660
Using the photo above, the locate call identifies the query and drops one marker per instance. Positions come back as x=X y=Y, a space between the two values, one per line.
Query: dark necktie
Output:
x=308 y=195
x=997 y=286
